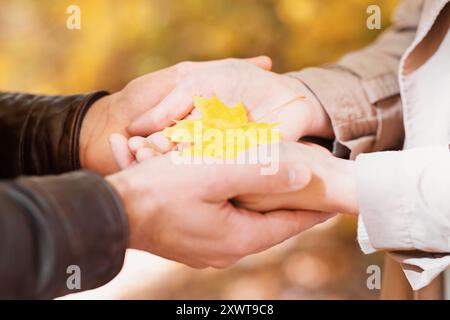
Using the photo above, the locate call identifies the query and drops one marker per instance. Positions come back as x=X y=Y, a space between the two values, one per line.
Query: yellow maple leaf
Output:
x=221 y=132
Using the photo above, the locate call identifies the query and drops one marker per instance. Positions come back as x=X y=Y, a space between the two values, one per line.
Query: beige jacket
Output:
x=395 y=94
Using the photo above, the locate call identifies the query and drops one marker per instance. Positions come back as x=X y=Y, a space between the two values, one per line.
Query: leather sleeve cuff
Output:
x=41 y=133
x=74 y=220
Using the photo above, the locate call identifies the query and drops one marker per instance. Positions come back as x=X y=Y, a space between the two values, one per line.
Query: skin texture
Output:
x=185 y=214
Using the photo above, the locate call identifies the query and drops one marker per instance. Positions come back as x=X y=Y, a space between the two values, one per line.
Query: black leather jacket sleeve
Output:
x=40 y=134
x=54 y=224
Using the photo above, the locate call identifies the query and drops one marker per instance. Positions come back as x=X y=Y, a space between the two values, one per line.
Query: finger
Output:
x=161 y=142
x=120 y=150
x=177 y=105
x=144 y=154
x=263 y=62
x=195 y=114
x=162 y=82
x=231 y=180
x=270 y=202
x=137 y=143
x=279 y=226
x=267 y=230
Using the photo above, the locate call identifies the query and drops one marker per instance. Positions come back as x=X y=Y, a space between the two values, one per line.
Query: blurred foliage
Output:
x=120 y=40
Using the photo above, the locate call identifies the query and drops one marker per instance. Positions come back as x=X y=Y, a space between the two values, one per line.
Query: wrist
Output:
x=100 y=122
x=120 y=185
x=344 y=188
x=319 y=124
x=139 y=212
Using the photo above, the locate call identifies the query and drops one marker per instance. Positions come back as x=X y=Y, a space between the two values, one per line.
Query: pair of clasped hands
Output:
x=214 y=214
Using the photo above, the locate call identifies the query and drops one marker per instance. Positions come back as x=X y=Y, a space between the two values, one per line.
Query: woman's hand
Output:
x=268 y=97
x=331 y=188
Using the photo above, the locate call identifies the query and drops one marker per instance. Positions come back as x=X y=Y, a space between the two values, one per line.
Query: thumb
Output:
x=175 y=106
x=122 y=154
x=231 y=180
x=264 y=62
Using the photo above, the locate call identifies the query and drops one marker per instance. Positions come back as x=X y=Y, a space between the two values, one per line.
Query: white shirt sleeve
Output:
x=404 y=201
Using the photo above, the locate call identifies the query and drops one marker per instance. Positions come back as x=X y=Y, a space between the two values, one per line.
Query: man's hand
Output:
x=183 y=212
x=114 y=113
x=268 y=96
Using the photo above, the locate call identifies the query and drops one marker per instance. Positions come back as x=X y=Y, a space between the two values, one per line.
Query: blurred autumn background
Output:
x=120 y=40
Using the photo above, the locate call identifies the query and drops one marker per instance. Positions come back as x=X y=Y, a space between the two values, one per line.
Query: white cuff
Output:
x=363 y=238
x=421 y=268
x=403 y=202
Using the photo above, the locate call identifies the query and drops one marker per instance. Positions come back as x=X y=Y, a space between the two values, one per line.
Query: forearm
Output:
x=340 y=183
x=359 y=124
x=48 y=224
x=40 y=134
x=360 y=93
x=104 y=118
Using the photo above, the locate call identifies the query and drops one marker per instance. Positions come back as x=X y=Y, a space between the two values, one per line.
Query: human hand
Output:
x=129 y=152
x=268 y=97
x=331 y=187
x=183 y=212
x=114 y=113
